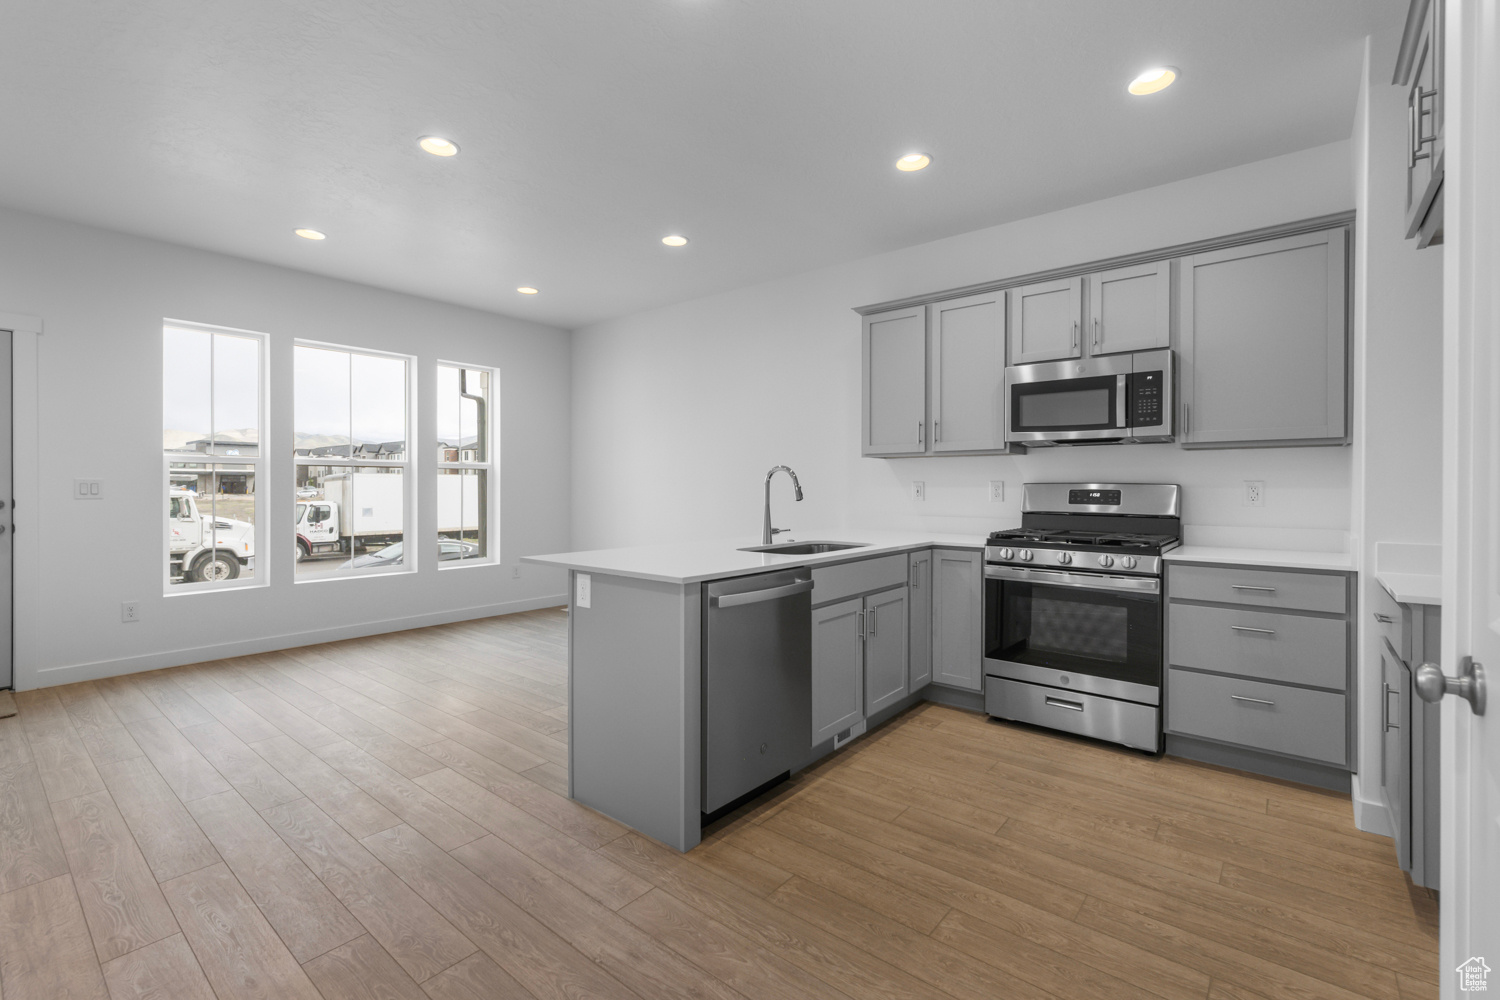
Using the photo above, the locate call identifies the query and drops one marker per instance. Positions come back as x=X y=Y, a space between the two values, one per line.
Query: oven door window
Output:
x=1112 y=634
x=1074 y=404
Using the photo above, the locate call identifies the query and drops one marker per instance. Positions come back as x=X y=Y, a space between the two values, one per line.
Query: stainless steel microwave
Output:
x=1122 y=398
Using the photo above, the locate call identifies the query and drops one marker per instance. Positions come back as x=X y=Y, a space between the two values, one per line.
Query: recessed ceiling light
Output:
x=526 y=290
x=1155 y=79
x=438 y=146
x=675 y=241
x=310 y=234
x=913 y=161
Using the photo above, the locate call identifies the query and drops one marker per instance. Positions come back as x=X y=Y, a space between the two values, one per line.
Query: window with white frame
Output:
x=213 y=404
x=350 y=430
x=465 y=464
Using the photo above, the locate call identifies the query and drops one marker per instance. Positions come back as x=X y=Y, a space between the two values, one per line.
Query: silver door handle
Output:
x=1096 y=333
x=920 y=432
x=861 y=615
x=1237 y=586
x=1075 y=335
x=1253 y=701
x=937 y=431
x=1468 y=685
x=1383 y=619
x=1072 y=706
x=1258 y=631
x=1385 y=709
x=757 y=596
x=873 y=617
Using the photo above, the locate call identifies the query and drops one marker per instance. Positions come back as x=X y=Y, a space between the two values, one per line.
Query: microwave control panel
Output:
x=1147 y=390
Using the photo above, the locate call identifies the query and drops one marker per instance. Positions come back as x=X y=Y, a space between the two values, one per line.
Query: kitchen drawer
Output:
x=1296 y=721
x=1259 y=587
x=1390 y=620
x=1074 y=712
x=835 y=583
x=1275 y=647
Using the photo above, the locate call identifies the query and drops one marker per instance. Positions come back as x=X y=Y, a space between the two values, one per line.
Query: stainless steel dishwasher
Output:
x=757 y=681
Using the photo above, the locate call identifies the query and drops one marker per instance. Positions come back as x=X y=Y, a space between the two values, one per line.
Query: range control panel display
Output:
x=1095 y=498
x=1146 y=398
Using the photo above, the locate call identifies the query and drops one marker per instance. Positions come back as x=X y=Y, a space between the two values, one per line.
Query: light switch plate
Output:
x=88 y=489
x=584 y=590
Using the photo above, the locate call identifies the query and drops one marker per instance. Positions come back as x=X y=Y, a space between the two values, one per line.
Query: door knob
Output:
x=1468 y=685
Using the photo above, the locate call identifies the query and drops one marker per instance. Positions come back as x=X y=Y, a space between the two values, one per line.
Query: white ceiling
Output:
x=765 y=130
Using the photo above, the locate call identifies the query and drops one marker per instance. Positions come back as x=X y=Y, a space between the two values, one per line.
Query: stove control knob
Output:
x=1064 y=558
x=1128 y=562
x=1026 y=555
x=1007 y=554
x=1107 y=561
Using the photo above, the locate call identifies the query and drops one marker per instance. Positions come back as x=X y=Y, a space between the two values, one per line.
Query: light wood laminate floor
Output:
x=387 y=818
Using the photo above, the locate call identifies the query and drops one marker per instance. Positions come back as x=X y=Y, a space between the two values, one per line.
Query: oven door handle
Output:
x=1083 y=581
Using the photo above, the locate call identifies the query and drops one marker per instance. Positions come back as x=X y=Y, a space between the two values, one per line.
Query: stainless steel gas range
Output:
x=1074 y=611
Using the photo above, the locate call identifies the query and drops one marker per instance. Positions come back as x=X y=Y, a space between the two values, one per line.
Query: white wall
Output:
x=1398 y=382
x=102 y=297
x=679 y=412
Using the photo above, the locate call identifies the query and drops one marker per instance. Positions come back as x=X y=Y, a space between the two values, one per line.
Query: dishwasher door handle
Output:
x=757 y=596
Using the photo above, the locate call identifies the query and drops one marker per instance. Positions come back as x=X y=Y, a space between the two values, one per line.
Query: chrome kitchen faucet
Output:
x=770 y=531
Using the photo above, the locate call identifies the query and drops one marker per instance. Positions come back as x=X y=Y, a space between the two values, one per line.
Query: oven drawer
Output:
x=1256 y=714
x=1259 y=587
x=1092 y=715
x=1274 y=647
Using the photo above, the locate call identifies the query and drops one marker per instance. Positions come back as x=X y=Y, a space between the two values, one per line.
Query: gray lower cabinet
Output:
x=895 y=383
x=958 y=618
x=1410 y=752
x=919 y=590
x=887 y=649
x=1263 y=346
x=838 y=668
x=1259 y=666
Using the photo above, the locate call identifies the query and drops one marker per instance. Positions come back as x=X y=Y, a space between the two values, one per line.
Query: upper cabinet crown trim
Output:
x=1144 y=257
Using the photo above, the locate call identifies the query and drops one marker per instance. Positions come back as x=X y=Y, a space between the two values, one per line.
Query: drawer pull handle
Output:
x=1258 y=631
x=1072 y=706
x=1387 y=691
x=1237 y=586
x=1253 y=701
x=1384 y=619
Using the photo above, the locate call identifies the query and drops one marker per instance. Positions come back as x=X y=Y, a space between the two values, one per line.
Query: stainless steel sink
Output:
x=805 y=548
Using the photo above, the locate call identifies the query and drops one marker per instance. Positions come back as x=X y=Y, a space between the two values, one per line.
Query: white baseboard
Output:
x=98 y=669
x=1370 y=815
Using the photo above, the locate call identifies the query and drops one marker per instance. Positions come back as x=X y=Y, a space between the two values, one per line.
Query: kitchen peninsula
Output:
x=635 y=658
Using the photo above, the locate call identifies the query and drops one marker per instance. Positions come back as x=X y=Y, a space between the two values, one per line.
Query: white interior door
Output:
x=7 y=500
x=1471 y=493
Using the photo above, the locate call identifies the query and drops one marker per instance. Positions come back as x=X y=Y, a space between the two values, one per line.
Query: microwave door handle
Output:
x=1120 y=384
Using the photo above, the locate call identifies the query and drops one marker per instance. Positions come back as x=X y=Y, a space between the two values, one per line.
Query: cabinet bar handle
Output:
x=920 y=432
x=873 y=617
x=1240 y=586
x=1075 y=335
x=1384 y=619
x=1253 y=701
x=1096 y=333
x=1072 y=706
x=861 y=615
x=937 y=431
x=1385 y=710
x=1258 y=631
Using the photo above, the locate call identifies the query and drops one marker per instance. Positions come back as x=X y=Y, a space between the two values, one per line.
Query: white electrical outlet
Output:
x=585 y=590
x=997 y=491
x=88 y=489
x=1255 y=493
x=919 y=491
x=130 y=611
x=515 y=573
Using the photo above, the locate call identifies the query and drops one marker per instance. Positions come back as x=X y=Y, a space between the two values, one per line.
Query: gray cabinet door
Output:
x=1395 y=749
x=887 y=649
x=1264 y=343
x=1130 y=308
x=1044 y=321
x=968 y=373
x=838 y=668
x=895 y=382
x=920 y=593
x=958 y=618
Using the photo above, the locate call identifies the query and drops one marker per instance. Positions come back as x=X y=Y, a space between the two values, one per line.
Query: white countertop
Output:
x=1288 y=558
x=1413 y=588
x=692 y=562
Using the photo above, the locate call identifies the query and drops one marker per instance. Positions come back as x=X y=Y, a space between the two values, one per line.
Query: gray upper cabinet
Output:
x=958 y=618
x=1130 y=308
x=1264 y=337
x=968 y=373
x=1419 y=69
x=919 y=585
x=887 y=646
x=1045 y=320
x=838 y=668
x=895 y=383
